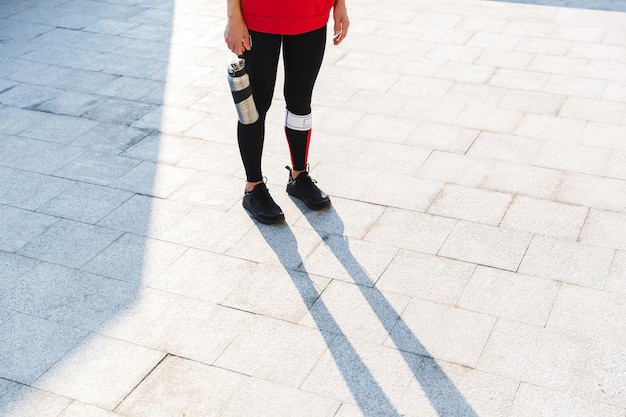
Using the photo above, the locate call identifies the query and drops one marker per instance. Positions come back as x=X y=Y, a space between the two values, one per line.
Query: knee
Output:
x=295 y=121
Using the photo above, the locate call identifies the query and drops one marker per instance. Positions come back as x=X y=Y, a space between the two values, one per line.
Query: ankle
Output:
x=295 y=173
x=250 y=185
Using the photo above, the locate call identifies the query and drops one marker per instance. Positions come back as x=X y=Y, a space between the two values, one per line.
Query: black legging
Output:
x=302 y=56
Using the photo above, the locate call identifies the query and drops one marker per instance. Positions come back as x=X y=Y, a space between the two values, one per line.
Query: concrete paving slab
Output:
x=81 y=243
x=474 y=154
x=30 y=345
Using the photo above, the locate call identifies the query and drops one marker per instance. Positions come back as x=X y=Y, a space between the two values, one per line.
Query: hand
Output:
x=340 y=15
x=236 y=36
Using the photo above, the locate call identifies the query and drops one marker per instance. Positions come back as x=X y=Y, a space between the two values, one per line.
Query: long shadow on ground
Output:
x=366 y=391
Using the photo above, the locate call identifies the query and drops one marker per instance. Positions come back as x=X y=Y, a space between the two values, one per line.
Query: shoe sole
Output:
x=263 y=220
x=308 y=203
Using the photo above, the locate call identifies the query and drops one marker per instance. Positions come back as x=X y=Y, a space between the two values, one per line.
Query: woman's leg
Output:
x=261 y=64
x=302 y=56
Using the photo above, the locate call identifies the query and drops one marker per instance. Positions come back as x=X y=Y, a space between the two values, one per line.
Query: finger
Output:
x=247 y=41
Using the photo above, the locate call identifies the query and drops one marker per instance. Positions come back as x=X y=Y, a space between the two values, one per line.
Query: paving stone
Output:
x=509 y=295
x=589 y=313
x=363 y=374
x=276 y=292
x=591 y=191
x=519 y=79
x=604 y=228
x=213 y=127
x=172 y=149
x=134 y=258
x=40 y=74
x=417 y=193
x=448 y=389
x=30 y=345
x=526 y=180
x=457 y=169
x=14 y=120
x=118 y=111
x=442 y=332
x=442 y=137
x=28 y=95
x=572 y=32
x=545 y=217
x=261 y=398
x=110 y=138
x=5 y=315
x=576 y=86
x=29 y=190
x=395 y=158
x=616 y=168
x=543 y=46
x=226 y=229
x=153 y=179
x=356 y=311
x=19 y=400
x=105 y=382
x=217 y=192
x=617 y=274
x=55 y=17
x=68 y=296
x=557 y=65
x=203 y=275
x=435 y=111
x=573 y=158
x=567 y=261
x=593 y=110
x=83 y=81
x=13 y=266
x=19 y=227
x=194 y=329
x=532 y=102
x=480 y=206
x=386 y=104
x=165 y=392
x=548 y=127
x=476 y=94
x=169 y=119
x=615 y=92
x=349 y=260
x=78 y=409
x=70 y=103
x=36 y=155
x=467 y=73
x=59 y=128
x=486 y=245
x=430 y=278
x=558 y=361
x=532 y=400
x=156 y=216
x=415 y=86
x=283 y=353
x=81 y=243
x=411 y=230
x=97 y=168
x=86 y=203
x=505 y=147
x=502 y=58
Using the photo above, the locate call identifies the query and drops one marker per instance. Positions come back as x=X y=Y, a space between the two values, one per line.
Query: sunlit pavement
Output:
x=473 y=262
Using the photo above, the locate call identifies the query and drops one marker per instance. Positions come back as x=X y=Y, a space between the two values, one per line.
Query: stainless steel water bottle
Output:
x=239 y=82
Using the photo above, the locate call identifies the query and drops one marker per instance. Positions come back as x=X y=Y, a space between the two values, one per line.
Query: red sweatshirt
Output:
x=286 y=17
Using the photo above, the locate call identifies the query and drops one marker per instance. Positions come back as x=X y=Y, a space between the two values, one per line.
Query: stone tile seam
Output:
x=165 y=356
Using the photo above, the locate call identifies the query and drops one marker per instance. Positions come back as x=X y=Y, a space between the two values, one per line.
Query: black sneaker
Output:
x=261 y=205
x=304 y=188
